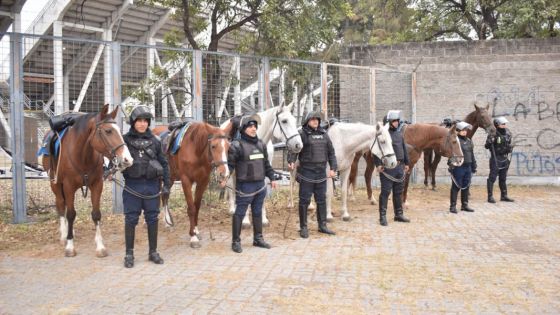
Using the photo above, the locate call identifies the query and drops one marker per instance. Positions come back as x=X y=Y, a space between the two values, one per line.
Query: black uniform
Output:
x=317 y=151
x=500 y=147
x=388 y=185
x=462 y=176
x=249 y=158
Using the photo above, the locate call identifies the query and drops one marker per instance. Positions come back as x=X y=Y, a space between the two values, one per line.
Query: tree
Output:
x=485 y=19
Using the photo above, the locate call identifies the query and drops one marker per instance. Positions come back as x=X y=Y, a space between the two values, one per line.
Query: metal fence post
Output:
x=266 y=97
x=116 y=89
x=17 y=126
x=372 y=94
x=414 y=175
x=197 y=85
x=324 y=88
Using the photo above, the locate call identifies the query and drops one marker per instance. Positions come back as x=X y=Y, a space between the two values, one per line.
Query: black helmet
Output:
x=310 y=115
x=248 y=119
x=141 y=111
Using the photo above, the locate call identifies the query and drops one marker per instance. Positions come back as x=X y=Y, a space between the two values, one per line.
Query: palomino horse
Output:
x=477 y=118
x=417 y=138
x=203 y=148
x=279 y=123
x=80 y=163
x=349 y=138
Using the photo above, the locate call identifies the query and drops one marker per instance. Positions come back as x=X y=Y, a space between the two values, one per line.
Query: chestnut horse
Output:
x=477 y=118
x=203 y=148
x=80 y=163
x=417 y=138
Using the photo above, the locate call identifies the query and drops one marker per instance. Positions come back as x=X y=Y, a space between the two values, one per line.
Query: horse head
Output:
x=285 y=128
x=483 y=118
x=382 y=146
x=107 y=138
x=218 y=146
x=452 y=147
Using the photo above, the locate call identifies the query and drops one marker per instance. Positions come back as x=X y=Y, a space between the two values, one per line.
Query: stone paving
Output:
x=504 y=258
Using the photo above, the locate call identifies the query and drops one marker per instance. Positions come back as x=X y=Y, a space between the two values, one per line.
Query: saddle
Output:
x=327 y=124
x=60 y=122
x=171 y=139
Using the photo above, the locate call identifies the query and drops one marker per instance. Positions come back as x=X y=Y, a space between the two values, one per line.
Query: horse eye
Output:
x=284 y=121
x=109 y=131
x=213 y=146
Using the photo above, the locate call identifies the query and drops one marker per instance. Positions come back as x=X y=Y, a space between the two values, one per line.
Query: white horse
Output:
x=349 y=138
x=279 y=123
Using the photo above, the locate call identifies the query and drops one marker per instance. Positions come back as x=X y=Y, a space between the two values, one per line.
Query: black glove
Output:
x=165 y=191
x=473 y=170
x=277 y=177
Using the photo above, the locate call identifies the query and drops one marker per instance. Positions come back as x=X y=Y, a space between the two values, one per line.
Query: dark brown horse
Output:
x=203 y=148
x=477 y=118
x=417 y=138
x=80 y=163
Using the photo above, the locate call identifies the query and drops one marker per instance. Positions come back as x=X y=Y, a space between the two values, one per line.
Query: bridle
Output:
x=450 y=146
x=276 y=122
x=215 y=164
x=112 y=151
x=384 y=156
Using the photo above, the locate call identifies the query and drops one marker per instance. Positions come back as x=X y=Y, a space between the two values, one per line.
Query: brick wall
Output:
x=520 y=79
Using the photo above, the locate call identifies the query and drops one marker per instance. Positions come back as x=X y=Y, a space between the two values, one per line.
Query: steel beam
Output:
x=58 y=69
x=197 y=85
x=116 y=88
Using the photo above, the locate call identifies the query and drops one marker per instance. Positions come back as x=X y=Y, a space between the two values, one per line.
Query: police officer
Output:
x=143 y=177
x=461 y=175
x=393 y=179
x=500 y=147
x=248 y=157
x=317 y=151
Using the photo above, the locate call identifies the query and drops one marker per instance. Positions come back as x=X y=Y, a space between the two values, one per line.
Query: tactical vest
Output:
x=144 y=153
x=315 y=149
x=502 y=143
x=467 y=148
x=398 y=144
x=250 y=167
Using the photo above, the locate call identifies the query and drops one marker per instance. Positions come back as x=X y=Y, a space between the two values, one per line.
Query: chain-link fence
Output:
x=64 y=74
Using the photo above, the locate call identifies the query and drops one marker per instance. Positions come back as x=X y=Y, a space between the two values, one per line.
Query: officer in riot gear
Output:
x=461 y=175
x=317 y=151
x=248 y=157
x=393 y=179
x=143 y=178
x=500 y=147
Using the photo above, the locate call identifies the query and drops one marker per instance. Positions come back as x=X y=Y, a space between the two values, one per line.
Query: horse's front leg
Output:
x=96 y=190
x=344 y=175
x=368 y=174
x=191 y=210
x=61 y=209
x=200 y=189
x=433 y=169
x=231 y=194
x=330 y=191
x=69 y=192
x=292 y=188
x=265 y=221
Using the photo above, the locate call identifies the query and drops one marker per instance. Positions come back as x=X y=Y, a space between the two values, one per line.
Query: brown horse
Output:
x=80 y=163
x=417 y=138
x=203 y=148
x=477 y=118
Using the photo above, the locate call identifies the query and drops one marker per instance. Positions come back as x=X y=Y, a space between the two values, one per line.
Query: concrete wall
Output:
x=520 y=79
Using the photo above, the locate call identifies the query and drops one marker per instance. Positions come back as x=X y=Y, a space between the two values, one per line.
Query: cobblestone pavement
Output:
x=503 y=258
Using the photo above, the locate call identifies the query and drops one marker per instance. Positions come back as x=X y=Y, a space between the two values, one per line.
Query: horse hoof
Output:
x=70 y=253
x=434 y=189
x=101 y=253
x=330 y=219
x=63 y=242
x=199 y=237
x=373 y=202
x=347 y=219
x=195 y=245
x=246 y=225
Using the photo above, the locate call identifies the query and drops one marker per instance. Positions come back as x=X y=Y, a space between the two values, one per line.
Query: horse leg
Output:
x=368 y=174
x=191 y=209
x=433 y=169
x=427 y=165
x=292 y=188
x=96 y=190
x=200 y=189
x=231 y=194
x=344 y=179
x=265 y=221
x=69 y=251
x=61 y=209
x=330 y=192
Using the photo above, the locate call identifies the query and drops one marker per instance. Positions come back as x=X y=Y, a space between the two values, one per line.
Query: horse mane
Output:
x=424 y=132
x=471 y=117
x=81 y=122
x=198 y=134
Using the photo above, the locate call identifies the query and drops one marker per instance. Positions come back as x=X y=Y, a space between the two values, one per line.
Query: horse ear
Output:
x=378 y=126
x=476 y=106
x=452 y=129
x=487 y=106
x=115 y=111
x=104 y=111
x=290 y=106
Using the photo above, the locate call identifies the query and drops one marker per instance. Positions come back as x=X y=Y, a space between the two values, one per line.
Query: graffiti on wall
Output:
x=536 y=148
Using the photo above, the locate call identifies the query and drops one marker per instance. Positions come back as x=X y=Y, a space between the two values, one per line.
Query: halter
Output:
x=112 y=151
x=213 y=163
x=383 y=155
x=282 y=129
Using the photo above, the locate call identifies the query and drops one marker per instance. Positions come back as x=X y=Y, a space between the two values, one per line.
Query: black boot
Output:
x=152 y=241
x=129 y=243
x=303 y=232
x=399 y=212
x=453 y=199
x=503 y=192
x=382 y=210
x=258 y=239
x=322 y=219
x=490 y=188
x=236 y=223
x=465 y=201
